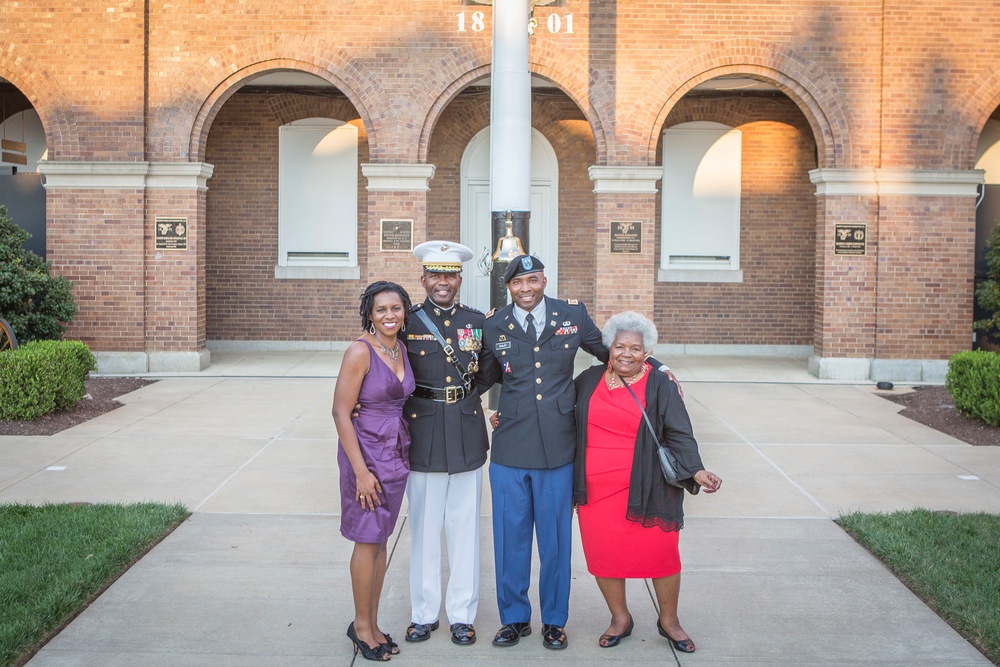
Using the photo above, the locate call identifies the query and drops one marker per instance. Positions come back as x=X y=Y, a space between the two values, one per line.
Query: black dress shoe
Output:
x=682 y=645
x=463 y=634
x=418 y=632
x=554 y=637
x=610 y=641
x=511 y=633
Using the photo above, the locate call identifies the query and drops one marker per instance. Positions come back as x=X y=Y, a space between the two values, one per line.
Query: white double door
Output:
x=477 y=233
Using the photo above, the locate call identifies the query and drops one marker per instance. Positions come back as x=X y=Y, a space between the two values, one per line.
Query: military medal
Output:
x=470 y=340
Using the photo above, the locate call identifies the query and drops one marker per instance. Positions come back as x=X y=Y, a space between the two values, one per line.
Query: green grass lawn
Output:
x=951 y=561
x=55 y=559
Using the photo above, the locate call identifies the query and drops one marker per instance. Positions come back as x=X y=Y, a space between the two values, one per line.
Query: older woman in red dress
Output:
x=629 y=516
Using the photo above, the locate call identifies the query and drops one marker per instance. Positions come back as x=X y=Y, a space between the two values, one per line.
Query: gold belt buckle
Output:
x=451 y=395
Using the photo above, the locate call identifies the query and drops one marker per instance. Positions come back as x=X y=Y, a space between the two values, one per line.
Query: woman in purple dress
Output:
x=373 y=453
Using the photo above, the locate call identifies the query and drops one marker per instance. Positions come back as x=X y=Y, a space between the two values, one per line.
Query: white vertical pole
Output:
x=510 y=109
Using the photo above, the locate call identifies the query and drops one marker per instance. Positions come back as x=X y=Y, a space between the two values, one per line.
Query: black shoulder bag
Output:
x=668 y=462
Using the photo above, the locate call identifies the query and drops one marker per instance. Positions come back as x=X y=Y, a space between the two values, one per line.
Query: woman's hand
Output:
x=495 y=419
x=708 y=481
x=369 y=490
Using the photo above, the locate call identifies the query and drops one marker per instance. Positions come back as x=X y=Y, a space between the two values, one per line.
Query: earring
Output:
x=404 y=326
x=371 y=329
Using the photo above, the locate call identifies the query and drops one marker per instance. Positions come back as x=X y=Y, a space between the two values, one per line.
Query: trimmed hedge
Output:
x=973 y=381
x=40 y=377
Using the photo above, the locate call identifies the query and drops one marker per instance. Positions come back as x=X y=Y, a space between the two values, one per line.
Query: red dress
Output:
x=615 y=547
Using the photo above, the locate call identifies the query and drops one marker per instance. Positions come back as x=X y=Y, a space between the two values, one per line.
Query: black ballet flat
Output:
x=682 y=645
x=610 y=641
x=367 y=652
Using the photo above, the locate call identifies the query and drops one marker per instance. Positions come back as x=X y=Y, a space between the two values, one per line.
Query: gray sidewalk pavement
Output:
x=259 y=574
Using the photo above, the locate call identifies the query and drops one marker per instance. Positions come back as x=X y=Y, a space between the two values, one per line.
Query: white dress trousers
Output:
x=439 y=501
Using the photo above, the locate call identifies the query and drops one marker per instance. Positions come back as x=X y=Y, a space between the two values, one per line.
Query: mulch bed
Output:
x=101 y=395
x=932 y=406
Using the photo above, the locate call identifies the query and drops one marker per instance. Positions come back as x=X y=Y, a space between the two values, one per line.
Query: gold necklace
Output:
x=613 y=382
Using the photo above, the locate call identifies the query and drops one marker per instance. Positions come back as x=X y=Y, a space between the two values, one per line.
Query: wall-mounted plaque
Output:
x=850 y=239
x=626 y=237
x=397 y=236
x=171 y=233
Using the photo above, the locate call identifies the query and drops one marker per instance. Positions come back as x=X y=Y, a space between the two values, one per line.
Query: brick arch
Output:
x=290 y=108
x=62 y=136
x=180 y=130
x=962 y=136
x=588 y=88
x=803 y=81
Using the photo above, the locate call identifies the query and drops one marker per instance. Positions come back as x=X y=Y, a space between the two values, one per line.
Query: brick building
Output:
x=792 y=177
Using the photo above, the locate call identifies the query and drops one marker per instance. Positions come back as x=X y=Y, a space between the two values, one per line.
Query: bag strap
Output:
x=642 y=409
x=448 y=349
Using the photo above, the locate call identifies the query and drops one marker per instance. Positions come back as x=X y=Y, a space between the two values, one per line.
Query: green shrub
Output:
x=973 y=381
x=43 y=376
x=988 y=292
x=36 y=304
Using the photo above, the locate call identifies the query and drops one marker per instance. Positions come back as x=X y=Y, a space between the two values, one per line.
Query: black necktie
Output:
x=530 y=329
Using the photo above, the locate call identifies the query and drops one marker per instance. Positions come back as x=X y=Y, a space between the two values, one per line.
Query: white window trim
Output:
x=722 y=268
x=310 y=263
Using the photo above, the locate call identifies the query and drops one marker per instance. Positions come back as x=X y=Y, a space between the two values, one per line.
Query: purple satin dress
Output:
x=385 y=444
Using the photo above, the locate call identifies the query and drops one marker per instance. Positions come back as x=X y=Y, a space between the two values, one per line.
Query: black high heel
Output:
x=609 y=641
x=367 y=652
x=682 y=645
x=389 y=646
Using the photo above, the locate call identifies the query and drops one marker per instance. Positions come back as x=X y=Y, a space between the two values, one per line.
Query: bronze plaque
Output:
x=850 y=239
x=626 y=237
x=171 y=233
x=397 y=236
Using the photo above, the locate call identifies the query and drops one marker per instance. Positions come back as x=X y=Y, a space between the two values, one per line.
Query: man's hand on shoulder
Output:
x=673 y=378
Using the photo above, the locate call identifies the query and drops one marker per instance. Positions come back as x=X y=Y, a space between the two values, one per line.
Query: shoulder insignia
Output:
x=469 y=308
x=416 y=307
x=573 y=302
x=491 y=313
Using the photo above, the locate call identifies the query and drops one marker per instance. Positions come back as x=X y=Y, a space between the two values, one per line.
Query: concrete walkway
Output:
x=259 y=575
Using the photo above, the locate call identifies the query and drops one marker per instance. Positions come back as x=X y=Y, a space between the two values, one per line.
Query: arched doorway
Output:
x=476 y=230
x=23 y=145
x=737 y=220
x=987 y=209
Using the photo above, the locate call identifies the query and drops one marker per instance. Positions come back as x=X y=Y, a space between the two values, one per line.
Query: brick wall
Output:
x=924 y=255
x=95 y=238
x=902 y=83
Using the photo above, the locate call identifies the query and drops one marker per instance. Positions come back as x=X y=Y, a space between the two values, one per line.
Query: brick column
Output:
x=901 y=309
x=624 y=280
x=844 y=321
x=927 y=241
x=396 y=192
x=139 y=310
x=176 y=318
x=94 y=237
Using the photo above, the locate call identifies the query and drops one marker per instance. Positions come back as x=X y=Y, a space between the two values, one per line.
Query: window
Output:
x=700 y=220
x=317 y=198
